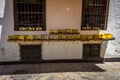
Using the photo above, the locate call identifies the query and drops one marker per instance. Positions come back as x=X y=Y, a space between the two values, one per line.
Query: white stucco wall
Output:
x=59 y=14
x=113 y=48
x=62 y=50
x=103 y=49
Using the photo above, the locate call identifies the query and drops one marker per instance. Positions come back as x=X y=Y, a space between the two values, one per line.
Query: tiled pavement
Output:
x=109 y=70
x=61 y=71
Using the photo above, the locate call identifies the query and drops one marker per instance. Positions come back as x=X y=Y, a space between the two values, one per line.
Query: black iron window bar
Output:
x=29 y=15
x=94 y=14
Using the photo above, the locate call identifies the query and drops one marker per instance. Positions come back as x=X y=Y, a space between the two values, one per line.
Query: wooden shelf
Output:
x=40 y=41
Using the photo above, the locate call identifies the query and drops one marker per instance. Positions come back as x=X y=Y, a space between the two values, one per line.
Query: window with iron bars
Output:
x=94 y=14
x=29 y=15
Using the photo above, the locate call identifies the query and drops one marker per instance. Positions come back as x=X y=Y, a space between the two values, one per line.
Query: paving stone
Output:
x=117 y=64
x=104 y=67
x=80 y=75
x=5 y=77
x=43 y=76
x=72 y=76
x=20 y=77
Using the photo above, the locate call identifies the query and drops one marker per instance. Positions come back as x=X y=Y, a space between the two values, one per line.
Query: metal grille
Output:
x=94 y=14
x=29 y=13
x=30 y=52
x=91 y=51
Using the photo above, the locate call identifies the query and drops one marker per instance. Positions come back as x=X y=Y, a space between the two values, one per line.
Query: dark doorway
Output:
x=30 y=53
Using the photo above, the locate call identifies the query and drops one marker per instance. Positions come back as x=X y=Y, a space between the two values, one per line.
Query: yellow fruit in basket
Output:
x=52 y=31
x=30 y=28
x=23 y=28
x=26 y=28
x=76 y=37
x=103 y=36
x=39 y=28
x=61 y=31
x=29 y=37
x=37 y=37
x=61 y=37
x=21 y=37
x=44 y=37
x=90 y=37
x=53 y=37
x=107 y=36
x=83 y=37
x=69 y=37
x=13 y=37
x=69 y=31
x=20 y=28
x=74 y=31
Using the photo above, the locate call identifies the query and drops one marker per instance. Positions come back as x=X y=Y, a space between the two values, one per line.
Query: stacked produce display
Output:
x=60 y=35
